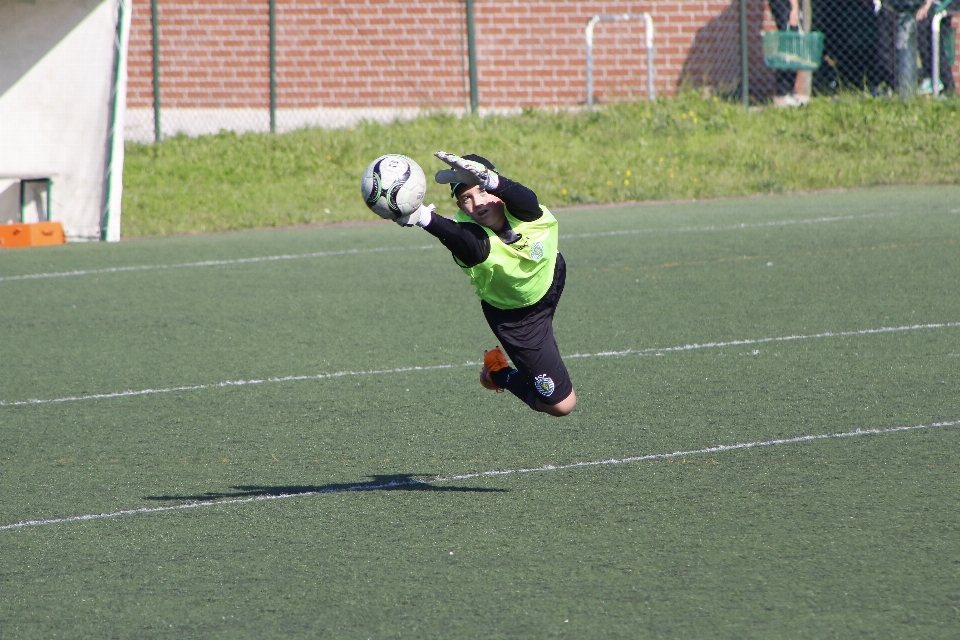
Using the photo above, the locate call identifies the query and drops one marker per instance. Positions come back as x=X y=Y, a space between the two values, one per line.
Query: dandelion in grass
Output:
x=563 y=192
x=628 y=174
x=609 y=183
x=626 y=182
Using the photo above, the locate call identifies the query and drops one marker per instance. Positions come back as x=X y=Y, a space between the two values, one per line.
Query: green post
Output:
x=49 y=201
x=155 y=25
x=744 y=54
x=273 y=66
x=472 y=59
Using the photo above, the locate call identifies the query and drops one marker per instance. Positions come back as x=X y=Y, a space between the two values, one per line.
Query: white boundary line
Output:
x=482 y=474
x=734 y=227
x=736 y=343
x=233 y=383
x=371 y=372
x=324 y=254
x=211 y=263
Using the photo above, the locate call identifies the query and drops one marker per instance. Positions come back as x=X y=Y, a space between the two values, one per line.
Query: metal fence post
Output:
x=590 y=25
x=744 y=55
x=155 y=27
x=273 y=66
x=805 y=78
x=651 y=74
x=935 y=27
x=472 y=58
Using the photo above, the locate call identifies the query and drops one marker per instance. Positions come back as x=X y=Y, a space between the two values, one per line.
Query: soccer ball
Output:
x=393 y=186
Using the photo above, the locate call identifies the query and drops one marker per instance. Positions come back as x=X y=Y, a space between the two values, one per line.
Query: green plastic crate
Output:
x=793 y=50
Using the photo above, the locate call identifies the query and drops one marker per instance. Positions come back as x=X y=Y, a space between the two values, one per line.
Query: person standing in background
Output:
x=786 y=13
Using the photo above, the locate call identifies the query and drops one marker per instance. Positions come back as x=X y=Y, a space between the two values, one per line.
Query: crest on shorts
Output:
x=536 y=252
x=544 y=385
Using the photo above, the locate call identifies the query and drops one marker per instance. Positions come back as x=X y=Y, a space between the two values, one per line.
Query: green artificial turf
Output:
x=839 y=537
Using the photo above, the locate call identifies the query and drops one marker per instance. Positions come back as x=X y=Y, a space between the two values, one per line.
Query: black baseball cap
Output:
x=475 y=158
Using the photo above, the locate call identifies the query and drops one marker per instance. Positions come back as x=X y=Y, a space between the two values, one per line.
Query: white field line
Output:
x=324 y=254
x=211 y=263
x=232 y=383
x=737 y=343
x=734 y=227
x=371 y=372
x=482 y=474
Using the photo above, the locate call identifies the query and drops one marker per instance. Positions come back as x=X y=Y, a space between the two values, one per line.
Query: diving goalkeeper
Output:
x=506 y=243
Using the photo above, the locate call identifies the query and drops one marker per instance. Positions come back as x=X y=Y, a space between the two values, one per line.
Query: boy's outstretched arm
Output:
x=468 y=243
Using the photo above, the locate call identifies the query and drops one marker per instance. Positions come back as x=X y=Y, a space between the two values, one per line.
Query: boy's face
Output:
x=482 y=207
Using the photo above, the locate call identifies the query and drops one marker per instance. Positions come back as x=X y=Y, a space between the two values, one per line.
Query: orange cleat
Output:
x=493 y=360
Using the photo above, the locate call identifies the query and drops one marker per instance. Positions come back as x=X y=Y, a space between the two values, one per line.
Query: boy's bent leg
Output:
x=510 y=379
x=541 y=378
x=562 y=408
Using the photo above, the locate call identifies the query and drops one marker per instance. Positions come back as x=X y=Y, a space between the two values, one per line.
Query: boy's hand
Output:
x=421 y=217
x=463 y=171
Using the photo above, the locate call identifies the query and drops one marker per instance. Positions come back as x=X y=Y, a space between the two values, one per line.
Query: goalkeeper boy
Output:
x=506 y=243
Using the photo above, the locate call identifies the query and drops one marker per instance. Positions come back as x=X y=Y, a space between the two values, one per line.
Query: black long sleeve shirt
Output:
x=468 y=241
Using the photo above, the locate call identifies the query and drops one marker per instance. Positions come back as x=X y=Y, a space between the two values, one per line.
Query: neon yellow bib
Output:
x=518 y=274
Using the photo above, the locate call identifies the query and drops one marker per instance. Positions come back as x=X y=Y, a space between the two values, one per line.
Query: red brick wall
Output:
x=361 y=53
x=412 y=53
x=213 y=54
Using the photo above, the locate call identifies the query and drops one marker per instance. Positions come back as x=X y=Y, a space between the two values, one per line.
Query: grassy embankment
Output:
x=685 y=148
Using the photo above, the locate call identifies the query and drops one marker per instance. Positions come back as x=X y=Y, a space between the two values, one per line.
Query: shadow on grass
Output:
x=394 y=482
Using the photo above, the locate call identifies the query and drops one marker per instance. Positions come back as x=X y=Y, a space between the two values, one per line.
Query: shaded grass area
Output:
x=671 y=149
x=834 y=538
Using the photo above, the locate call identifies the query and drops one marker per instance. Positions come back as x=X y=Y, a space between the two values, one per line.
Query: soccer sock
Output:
x=514 y=382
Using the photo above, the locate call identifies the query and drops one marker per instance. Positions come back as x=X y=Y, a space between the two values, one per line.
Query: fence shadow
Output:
x=392 y=482
x=713 y=60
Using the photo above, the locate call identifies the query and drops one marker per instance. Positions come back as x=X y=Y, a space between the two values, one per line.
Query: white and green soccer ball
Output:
x=393 y=186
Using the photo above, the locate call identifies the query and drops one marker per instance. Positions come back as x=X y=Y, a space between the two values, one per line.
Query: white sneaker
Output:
x=926 y=87
x=789 y=100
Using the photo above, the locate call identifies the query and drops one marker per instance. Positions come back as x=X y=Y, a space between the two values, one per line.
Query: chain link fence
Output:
x=883 y=48
x=278 y=65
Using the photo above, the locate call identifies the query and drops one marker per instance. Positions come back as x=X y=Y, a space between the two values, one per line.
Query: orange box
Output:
x=35 y=234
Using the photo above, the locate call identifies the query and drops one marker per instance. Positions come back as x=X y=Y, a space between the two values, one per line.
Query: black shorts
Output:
x=527 y=336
